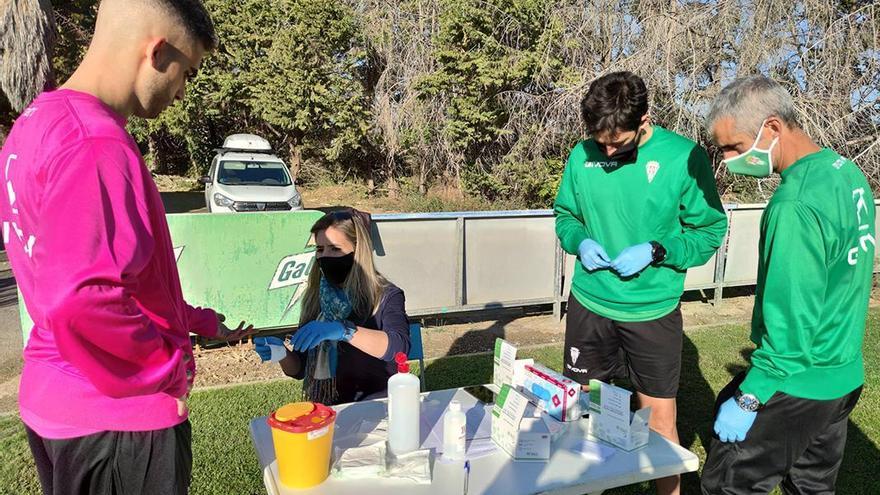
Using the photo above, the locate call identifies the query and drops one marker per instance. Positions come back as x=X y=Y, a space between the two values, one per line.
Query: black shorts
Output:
x=648 y=353
x=794 y=443
x=130 y=463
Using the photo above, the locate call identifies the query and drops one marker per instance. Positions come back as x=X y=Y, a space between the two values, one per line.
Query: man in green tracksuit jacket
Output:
x=638 y=205
x=784 y=420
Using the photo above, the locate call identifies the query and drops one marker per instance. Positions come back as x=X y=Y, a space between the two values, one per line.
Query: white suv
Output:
x=246 y=176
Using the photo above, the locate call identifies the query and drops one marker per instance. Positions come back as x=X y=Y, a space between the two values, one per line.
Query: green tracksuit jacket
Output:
x=668 y=195
x=814 y=281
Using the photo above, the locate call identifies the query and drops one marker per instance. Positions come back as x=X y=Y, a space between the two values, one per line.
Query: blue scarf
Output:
x=320 y=379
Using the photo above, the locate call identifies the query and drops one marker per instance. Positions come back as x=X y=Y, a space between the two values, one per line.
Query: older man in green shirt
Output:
x=783 y=422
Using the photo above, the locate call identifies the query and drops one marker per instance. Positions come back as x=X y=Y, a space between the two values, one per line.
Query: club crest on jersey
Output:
x=651 y=168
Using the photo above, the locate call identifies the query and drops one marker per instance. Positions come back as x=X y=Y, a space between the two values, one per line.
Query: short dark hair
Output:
x=195 y=18
x=615 y=101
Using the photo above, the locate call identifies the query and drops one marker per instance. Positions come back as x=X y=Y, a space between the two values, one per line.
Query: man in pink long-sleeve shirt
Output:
x=108 y=365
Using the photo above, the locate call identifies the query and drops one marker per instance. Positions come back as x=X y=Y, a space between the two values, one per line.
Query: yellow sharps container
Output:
x=303 y=436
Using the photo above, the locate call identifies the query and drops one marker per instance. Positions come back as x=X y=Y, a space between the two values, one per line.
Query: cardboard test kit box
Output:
x=524 y=437
x=557 y=395
x=506 y=368
x=611 y=420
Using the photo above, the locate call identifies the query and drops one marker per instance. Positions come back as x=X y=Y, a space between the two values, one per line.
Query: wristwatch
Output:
x=658 y=253
x=747 y=402
x=350 y=330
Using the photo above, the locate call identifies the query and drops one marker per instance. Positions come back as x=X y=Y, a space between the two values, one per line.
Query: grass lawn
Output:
x=225 y=462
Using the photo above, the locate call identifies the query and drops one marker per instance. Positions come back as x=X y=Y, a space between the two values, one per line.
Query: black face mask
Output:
x=629 y=152
x=336 y=270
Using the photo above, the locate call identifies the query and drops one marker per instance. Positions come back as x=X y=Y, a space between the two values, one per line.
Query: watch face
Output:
x=748 y=402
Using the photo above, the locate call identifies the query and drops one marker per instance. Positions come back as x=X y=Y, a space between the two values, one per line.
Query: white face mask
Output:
x=754 y=162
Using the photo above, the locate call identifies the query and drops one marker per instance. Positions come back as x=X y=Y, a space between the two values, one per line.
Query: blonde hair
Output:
x=364 y=285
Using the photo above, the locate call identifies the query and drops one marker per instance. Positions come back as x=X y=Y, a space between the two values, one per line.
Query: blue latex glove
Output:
x=633 y=259
x=314 y=332
x=733 y=422
x=270 y=349
x=593 y=256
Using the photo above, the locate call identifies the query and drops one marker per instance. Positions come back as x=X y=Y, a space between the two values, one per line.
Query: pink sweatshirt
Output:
x=85 y=231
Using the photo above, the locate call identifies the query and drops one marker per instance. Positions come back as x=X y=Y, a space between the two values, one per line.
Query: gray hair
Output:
x=751 y=100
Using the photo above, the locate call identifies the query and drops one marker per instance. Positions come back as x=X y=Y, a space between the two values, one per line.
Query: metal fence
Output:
x=466 y=261
x=448 y=262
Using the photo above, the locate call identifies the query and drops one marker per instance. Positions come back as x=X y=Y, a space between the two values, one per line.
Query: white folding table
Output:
x=567 y=472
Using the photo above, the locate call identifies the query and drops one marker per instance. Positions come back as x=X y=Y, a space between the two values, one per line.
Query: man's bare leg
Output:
x=663 y=417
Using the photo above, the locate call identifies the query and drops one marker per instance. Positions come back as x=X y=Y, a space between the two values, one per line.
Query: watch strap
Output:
x=658 y=252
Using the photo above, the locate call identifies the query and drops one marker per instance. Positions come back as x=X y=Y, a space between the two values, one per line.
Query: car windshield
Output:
x=237 y=173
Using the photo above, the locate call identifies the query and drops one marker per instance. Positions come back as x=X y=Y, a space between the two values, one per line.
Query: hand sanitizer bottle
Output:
x=454 y=432
x=403 y=409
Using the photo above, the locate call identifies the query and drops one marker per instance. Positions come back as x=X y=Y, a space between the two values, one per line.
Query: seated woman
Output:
x=352 y=321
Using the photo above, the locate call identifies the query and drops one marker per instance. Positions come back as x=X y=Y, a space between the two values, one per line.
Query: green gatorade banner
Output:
x=248 y=266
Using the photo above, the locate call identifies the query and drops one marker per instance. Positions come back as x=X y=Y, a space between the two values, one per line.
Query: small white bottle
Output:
x=403 y=409
x=454 y=432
